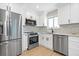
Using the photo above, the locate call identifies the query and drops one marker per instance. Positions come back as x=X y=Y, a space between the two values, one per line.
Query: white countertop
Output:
x=76 y=35
x=70 y=34
x=44 y=33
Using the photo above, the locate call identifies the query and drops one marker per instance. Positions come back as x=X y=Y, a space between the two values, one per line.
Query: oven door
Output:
x=33 y=40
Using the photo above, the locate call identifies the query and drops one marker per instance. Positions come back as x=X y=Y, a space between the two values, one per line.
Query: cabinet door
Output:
x=40 y=20
x=41 y=39
x=15 y=8
x=44 y=43
x=64 y=14
x=24 y=42
x=3 y=6
x=49 y=40
x=73 y=46
x=74 y=13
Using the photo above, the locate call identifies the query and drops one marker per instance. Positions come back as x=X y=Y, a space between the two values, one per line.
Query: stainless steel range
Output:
x=32 y=40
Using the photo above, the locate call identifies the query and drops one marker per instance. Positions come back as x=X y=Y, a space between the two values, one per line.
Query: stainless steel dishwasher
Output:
x=60 y=43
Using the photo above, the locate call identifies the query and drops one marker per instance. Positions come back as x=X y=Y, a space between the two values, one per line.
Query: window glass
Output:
x=50 y=22
x=53 y=22
x=56 y=25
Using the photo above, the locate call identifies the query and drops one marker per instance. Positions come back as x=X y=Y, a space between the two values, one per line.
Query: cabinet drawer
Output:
x=73 y=52
x=76 y=39
x=74 y=44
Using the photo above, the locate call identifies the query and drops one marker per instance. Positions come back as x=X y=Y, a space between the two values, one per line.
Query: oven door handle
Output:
x=33 y=35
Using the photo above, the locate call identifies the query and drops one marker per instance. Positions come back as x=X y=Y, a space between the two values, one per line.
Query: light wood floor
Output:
x=40 y=51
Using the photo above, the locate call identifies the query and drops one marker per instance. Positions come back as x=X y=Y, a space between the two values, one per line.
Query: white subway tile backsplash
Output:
x=68 y=29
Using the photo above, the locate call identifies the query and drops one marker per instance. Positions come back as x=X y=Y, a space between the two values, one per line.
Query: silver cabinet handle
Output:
x=69 y=21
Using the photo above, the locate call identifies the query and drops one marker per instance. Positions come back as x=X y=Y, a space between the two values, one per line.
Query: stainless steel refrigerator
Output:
x=10 y=33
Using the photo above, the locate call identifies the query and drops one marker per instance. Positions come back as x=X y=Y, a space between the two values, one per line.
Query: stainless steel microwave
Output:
x=30 y=22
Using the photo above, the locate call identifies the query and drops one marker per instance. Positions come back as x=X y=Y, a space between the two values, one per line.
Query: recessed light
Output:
x=37 y=6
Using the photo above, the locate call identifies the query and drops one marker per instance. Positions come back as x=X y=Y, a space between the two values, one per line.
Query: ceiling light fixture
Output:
x=37 y=6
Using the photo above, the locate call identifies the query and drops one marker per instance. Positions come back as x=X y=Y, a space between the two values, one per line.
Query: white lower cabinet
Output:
x=46 y=40
x=49 y=41
x=73 y=46
x=24 y=42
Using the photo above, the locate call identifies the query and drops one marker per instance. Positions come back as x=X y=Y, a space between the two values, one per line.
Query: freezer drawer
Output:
x=12 y=48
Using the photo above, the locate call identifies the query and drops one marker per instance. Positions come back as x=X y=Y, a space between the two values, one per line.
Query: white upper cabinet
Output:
x=16 y=8
x=37 y=21
x=3 y=6
x=40 y=20
x=64 y=14
x=69 y=14
x=75 y=13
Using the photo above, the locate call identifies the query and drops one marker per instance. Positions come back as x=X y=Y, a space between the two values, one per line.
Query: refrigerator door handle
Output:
x=7 y=29
x=19 y=27
x=8 y=24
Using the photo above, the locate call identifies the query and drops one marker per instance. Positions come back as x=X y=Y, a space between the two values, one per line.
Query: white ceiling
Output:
x=43 y=7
